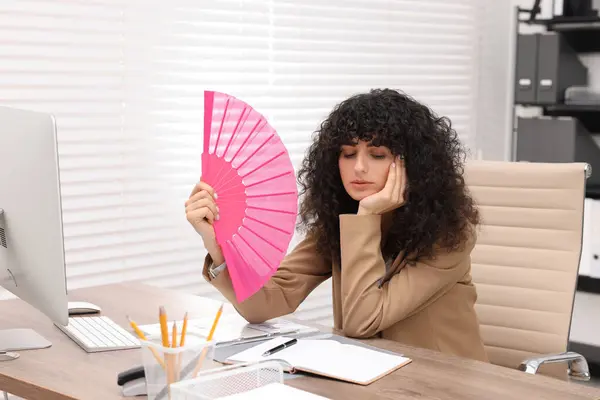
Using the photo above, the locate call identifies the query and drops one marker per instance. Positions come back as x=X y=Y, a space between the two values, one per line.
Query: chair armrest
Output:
x=578 y=366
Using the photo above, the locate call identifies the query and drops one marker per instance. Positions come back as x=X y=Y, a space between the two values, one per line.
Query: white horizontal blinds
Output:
x=69 y=58
x=176 y=50
x=324 y=51
x=65 y=57
x=125 y=79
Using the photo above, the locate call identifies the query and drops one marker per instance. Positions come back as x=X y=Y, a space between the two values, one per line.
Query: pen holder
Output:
x=228 y=381
x=164 y=366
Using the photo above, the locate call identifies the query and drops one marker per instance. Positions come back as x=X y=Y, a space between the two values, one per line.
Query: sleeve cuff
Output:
x=359 y=223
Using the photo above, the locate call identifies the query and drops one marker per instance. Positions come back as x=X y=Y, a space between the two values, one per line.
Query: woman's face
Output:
x=364 y=168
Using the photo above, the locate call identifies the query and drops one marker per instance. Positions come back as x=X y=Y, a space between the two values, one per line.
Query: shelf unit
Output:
x=583 y=35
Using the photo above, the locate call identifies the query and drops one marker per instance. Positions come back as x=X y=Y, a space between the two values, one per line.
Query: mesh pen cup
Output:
x=228 y=381
x=164 y=366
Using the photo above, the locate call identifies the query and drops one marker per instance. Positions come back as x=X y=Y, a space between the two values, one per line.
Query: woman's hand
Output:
x=392 y=194
x=201 y=211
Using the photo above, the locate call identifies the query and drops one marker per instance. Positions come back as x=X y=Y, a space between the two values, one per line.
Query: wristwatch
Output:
x=215 y=271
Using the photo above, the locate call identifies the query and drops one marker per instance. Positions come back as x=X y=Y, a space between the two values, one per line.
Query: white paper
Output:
x=274 y=391
x=230 y=327
x=327 y=357
x=281 y=325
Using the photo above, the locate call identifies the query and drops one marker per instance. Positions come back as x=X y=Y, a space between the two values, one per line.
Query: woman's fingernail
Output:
x=393 y=165
x=216 y=195
x=217 y=217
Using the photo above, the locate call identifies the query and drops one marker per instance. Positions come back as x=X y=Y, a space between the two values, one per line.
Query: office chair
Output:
x=525 y=262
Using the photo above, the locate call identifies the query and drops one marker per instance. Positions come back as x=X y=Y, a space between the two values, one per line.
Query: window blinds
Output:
x=125 y=80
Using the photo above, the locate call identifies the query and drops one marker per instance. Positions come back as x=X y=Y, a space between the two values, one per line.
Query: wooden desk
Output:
x=65 y=371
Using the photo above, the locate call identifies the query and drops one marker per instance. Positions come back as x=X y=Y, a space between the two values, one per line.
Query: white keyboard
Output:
x=95 y=334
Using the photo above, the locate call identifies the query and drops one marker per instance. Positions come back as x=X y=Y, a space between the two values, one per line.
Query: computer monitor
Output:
x=32 y=260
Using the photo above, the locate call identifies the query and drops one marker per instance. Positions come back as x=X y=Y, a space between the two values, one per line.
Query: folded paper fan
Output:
x=247 y=164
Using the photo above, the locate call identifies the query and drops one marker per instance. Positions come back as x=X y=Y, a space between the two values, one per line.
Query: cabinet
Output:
x=547 y=63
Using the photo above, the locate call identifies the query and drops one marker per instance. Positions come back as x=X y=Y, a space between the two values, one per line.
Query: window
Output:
x=125 y=80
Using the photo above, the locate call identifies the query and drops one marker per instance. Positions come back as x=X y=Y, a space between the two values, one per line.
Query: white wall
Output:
x=494 y=48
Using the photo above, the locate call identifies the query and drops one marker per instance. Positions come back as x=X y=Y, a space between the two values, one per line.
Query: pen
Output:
x=280 y=347
x=257 y=338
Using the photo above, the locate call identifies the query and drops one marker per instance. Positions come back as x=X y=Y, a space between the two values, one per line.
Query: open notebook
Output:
x=328 y=358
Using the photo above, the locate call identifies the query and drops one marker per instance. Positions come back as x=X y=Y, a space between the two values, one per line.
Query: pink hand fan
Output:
x=250 y=169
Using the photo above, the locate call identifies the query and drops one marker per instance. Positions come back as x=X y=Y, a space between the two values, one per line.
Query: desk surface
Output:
x=65 y=371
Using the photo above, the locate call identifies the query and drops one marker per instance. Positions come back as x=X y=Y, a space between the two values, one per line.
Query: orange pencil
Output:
x=141 y=335
x=183 y=330
x=174 y=373
x=174 y=335
x=208 y=339
x=182 y=341
x=215 y=323
x=164 y=331
x=136 y=328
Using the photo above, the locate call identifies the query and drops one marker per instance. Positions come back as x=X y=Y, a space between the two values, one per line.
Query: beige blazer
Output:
x=429 y=304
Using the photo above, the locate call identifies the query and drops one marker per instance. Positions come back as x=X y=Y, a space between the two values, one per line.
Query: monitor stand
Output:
x=8 y=356
x=12 y=340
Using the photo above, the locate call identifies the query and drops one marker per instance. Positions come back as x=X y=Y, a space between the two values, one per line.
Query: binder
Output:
x=327 y=358
x=526 y=68
x=558 y=68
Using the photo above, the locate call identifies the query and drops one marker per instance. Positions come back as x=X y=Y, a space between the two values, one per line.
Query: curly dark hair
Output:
x=438 y=211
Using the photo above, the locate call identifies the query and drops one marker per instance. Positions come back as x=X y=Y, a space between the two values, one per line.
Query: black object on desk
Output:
x=282 y=346
x=130 y=375
x=132 y=382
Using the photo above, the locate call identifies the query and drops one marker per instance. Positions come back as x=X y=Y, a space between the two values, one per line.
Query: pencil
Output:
x=214 y=325
x=182 y=342
x=141 y=335
x=183 y=330
x=174 y=334
x=172 y=361
x=136 y=329
x=164 y=331
x=208 y=339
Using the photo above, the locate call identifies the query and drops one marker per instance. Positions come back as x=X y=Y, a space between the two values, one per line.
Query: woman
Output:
x=387 y=216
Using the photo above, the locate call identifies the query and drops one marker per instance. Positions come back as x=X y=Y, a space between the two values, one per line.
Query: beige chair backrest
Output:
x=526 y=260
